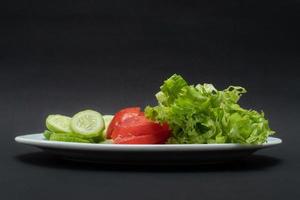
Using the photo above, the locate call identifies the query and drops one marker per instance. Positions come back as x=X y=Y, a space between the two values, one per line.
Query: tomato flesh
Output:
x=121 y=116
x=139 y=125
x=140 y=130
x=130 y=126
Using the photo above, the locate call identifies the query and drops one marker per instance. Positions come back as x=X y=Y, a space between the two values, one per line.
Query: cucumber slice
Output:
x=97 y=139
x=58 y=123
x=65 y=137
x=47 y=134
x=87 y=123
x=107 y=119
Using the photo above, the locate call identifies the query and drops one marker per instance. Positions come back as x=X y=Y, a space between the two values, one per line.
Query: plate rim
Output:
x=28 y=140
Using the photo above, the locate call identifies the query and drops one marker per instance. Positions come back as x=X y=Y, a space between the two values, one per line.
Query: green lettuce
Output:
x=202 y=114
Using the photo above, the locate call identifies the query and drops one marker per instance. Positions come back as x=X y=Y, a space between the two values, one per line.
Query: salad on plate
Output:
x=184 y=114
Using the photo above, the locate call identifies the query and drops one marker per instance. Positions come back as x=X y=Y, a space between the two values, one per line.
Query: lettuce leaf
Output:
x=202 y=114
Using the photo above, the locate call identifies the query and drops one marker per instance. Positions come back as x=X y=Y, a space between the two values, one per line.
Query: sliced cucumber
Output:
x=87 y=123
x=58 y=123
x=107 y=119
x=97 y=139
x=47 y=134
x=65 y=137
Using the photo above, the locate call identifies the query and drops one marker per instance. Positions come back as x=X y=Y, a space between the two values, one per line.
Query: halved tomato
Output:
x=139 y=125
x=120 y=117
x=140 y=130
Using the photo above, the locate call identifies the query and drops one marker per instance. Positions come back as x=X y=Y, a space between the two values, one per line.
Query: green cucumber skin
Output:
x=47 y=134
x=98 y=139
x=68 y=137
x=65 y=137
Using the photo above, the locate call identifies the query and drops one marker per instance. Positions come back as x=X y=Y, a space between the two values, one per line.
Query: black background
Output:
x=65 y=56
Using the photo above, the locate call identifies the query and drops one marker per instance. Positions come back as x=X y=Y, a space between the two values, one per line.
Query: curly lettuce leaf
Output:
x=202 y=114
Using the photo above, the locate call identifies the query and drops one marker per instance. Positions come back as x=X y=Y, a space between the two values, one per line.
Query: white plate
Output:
x=146 y=154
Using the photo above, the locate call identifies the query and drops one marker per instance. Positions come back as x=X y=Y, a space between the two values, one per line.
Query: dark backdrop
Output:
x=65 y=56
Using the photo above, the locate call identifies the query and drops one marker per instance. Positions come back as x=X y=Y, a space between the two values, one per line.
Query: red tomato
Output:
x=139 y=125
x=140 y=130
x=121 y=116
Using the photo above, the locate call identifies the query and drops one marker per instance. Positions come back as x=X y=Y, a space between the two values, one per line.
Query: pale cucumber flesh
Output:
x=87 y=123
x=58 y=123
x=107 y=119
